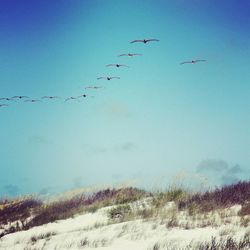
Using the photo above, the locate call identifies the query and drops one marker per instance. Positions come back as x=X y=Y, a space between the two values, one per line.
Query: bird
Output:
x=50 y=97
x=145 y=40
x=193 y=61
x=6 y=99
x=117 y=65
x=19 y=97
x=70 y=98
x=108 y=77
x=83 y=95
x=4 y=105
x=32 y=100
x=93 y=87
x=131 y=54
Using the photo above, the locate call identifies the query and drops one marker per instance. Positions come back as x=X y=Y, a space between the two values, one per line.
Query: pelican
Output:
x=84 y=95
x=6 y=99
x=4 y=105
x=50 y=97
x=32 y=100
x=117 y=65
x=93 y=87
x=108 y=77
x=193 y=61
x=19 y=97
x=145 y=41
x=71 y=98
x=131 y=54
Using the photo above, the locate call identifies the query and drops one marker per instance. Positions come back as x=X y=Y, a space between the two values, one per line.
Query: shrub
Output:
x=220 y=198
x=245 y=210
x=225 y=244
x=160 y=199
x=18 y=210
x=120 y=212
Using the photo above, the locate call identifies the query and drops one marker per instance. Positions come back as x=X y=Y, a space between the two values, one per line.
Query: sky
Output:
x=161 y=121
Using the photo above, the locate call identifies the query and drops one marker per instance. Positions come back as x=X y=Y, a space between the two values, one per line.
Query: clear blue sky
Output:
x=158 y=119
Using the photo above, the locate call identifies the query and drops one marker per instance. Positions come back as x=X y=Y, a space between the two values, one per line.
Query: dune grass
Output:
x=197 y=204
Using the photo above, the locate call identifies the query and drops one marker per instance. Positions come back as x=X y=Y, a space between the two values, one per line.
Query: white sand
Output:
x=90 y=231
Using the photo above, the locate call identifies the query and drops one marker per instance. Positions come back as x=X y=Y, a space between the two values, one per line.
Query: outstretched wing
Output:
x=123 y=65
x=200 y=60
x=123 y=55
x=110 y=65
x=115 y=77
x=152 y=40
x=101 y=78
x=185 y=62
x=137 y=41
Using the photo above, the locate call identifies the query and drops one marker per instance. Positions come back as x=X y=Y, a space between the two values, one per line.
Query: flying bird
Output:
x=93 y=87
x=6 y=99
x=19 y=97
x=32 y=100
x=145 y=41
x=117 y=65
x=84 y=95
x=108 y=77
x=193 y=61
x=50 y=97
x=4 y=105
x=70 y=98
x=131 y=54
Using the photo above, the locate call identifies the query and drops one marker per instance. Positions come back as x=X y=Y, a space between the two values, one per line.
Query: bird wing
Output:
x=123 y=55
x=137 y=41
x=101 y=78
x=153 y=39
x=185 y=62
x=137 y=54
x=123 y=65
x=110 y=65
x=115 y=77
x=200 y=60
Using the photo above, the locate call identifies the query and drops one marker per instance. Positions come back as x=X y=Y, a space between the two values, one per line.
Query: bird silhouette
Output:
x=19 y=97
x=145 y=41
x=70 y=98
x=130 y=54
x=32 y=100
x=6 y=99
x=83 y=95
x=50 y=97
x=193 y=61
x=108 y=77
x=117 y=65
x=93 y=87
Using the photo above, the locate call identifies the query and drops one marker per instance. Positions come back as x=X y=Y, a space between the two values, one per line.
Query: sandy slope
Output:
x=92 y=230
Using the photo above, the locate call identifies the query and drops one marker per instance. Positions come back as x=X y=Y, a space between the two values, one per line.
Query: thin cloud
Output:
x=116 y=110
x=212 y=165
x=221 y=172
